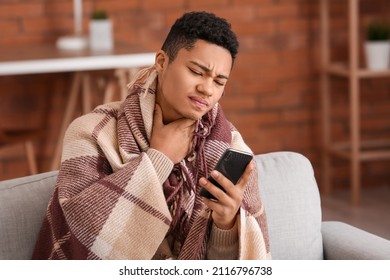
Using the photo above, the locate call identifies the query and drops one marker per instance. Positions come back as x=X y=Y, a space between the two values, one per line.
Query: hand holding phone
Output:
x=232 y=165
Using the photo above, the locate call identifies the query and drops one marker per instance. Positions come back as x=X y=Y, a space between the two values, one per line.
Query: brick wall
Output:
x=273 y=94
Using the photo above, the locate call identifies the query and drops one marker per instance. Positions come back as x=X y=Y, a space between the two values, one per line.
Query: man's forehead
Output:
x=209 y=55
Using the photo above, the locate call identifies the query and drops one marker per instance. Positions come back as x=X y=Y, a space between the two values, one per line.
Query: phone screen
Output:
x=232 y=165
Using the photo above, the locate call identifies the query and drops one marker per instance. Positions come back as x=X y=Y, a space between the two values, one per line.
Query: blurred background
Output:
x=273 y=95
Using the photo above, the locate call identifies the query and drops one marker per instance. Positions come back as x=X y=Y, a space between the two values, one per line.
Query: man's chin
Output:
x=195 y=116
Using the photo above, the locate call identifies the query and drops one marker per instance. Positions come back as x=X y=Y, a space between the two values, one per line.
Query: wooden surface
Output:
x=41 y=59
x=48 y=59
x=355 y=150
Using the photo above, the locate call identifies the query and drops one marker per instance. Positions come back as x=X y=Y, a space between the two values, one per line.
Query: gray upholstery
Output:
x=23 y=204
x=292 y=202
x=344 y=242
x=291 y=198
x=289 y=193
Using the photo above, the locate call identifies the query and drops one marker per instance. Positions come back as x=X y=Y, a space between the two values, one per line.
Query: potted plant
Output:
x=377 y=46
x=100 y=31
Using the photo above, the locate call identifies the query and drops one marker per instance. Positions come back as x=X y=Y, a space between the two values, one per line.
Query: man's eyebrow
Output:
x=208 y=70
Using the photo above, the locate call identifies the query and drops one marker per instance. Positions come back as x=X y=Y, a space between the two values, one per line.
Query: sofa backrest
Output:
x=292 y=204
x=23 y=204
x=287 y=187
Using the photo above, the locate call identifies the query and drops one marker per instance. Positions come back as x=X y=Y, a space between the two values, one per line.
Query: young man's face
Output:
x=193 y=82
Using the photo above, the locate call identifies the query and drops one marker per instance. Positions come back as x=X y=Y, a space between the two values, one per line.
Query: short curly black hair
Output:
x=195 y=26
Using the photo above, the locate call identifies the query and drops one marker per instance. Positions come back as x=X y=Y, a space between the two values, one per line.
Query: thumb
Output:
x=157 y=116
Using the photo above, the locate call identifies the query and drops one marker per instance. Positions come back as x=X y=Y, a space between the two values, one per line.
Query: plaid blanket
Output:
x=115 y=198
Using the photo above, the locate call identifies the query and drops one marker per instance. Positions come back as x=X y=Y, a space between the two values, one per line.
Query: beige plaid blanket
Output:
x=117 y=199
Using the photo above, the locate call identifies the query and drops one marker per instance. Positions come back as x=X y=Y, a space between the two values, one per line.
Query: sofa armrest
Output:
x=345 y=242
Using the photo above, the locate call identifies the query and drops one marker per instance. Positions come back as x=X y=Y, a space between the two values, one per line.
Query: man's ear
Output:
x=161 y=61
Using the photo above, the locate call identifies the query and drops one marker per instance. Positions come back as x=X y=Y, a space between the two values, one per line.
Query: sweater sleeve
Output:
x=162 y=164
x=223 y=244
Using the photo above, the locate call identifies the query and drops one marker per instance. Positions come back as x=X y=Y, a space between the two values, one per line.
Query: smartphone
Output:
x=232 y=165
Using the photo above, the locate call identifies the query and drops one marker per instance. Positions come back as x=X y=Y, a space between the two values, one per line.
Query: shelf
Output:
x=355 y=150
x=341 y=70
x=370 y=150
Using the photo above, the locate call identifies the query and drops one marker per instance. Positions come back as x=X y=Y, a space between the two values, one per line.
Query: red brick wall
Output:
x=273 y=94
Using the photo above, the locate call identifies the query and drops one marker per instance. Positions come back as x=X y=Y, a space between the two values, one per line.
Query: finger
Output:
x=186 y=126
x=157 y=116
x=212 y=204
x=231 y=189
x=185 y=123
x=211 y=188
x=243 y=181
x=227 y=185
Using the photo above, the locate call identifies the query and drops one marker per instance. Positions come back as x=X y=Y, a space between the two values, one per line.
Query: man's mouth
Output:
x=199 y=102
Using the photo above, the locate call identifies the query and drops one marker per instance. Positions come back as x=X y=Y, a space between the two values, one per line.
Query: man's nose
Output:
x=205 y=87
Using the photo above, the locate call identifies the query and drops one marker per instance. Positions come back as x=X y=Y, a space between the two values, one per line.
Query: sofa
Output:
x=289 y=192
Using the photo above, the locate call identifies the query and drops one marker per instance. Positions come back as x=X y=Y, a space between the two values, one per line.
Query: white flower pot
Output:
x=377 y=55
x=100 y=34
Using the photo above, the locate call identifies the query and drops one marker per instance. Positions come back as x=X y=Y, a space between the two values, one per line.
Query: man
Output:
x=128 y=186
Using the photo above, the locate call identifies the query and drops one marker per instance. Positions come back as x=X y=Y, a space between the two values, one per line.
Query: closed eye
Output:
x=195 y=72
x=219 y=83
